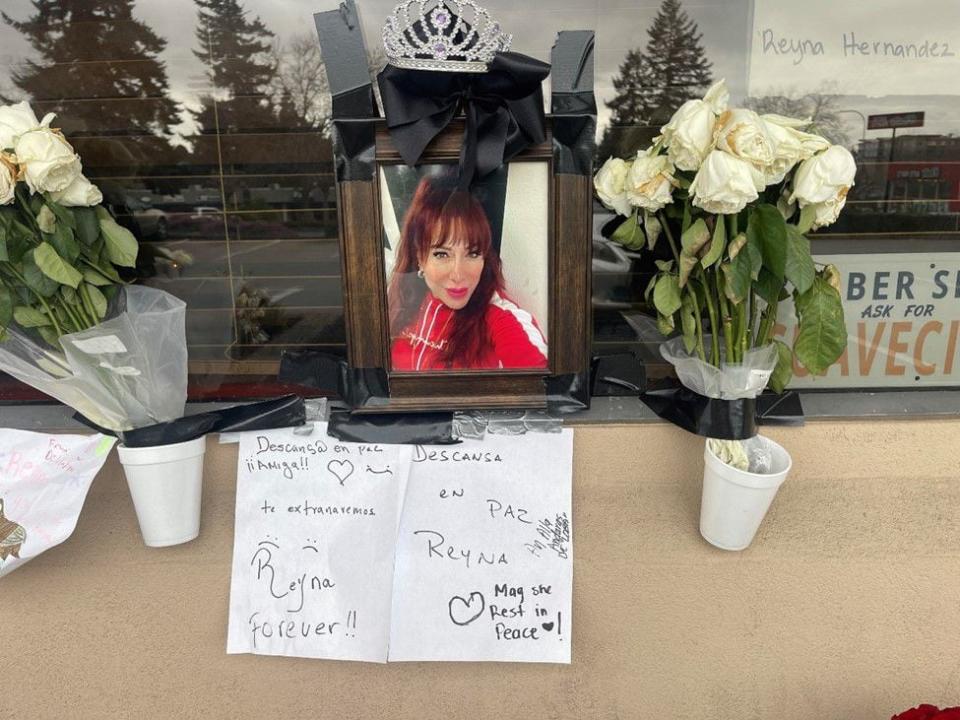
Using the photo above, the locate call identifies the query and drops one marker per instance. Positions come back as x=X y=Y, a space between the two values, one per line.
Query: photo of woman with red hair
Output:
x=447 y=299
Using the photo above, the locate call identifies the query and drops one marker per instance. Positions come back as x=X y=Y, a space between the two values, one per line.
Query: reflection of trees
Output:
x=654 y=82
x=302 y=78
x=236 y=50
x=68 y=36
x=821 y=107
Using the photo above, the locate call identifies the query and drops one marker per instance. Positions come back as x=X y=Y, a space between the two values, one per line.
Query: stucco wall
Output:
x=845 y=607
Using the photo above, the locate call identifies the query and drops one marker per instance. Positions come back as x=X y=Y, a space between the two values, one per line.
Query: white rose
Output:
x=610 y=183
x=48 y=160
x=827 y=176
x=688 y=136
x=16 y=120
x=650 y=182
x=744 y=135
x=725 y=184
x=8 y=180
x=80 y=193
x=793 y=145
x=826 y=213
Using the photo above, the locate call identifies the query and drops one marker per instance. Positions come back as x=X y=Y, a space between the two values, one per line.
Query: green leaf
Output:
x=688 y=324
x=783 y=372
x=737 y=276
x=664 y=265
x=652 y=228
x=736 y=245
x=650 y=286
x=629 y=233
x=88 y=226
x=19 y=240
x=665 y=324
x=717 y=244
x=687 y=264
x=48 y=333
x=766 y=227
x=807 y=215
x=55 y=267
x=64 y=243
x=121 y=244
x=69 y=295
x=800 y=269
x=695 y=237
x=6 y=307
x=93 y=277
x=35 y=278
x=29 y=317
x=97 y=299
x=666 y=295
x=63 y=214
x=46 y=220
x=822 y=336
x=768 y=286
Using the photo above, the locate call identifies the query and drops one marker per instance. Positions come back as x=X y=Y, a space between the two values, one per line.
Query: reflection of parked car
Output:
x=204 y=211
x=152 y=222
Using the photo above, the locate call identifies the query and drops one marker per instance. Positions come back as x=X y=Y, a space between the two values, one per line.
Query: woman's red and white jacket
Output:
x=516 y=340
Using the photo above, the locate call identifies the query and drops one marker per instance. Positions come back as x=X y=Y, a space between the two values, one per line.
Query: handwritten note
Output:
x=864 y=48
x=484 y=567
x=313 y=557
x=44 y=481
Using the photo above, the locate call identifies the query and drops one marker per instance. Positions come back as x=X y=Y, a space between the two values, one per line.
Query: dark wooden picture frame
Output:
x=365 y=293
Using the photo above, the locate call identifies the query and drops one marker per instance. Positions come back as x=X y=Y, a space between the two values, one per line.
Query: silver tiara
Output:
x=451 y=35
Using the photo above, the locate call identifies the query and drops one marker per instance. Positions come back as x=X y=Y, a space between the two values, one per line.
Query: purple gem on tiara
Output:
x=440 y=18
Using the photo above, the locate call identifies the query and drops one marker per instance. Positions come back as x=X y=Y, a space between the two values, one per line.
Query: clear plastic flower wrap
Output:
x=751 y=455
x=728 y=382
x=127 y=372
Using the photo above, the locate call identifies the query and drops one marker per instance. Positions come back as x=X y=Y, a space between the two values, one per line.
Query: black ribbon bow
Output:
x=503 y=108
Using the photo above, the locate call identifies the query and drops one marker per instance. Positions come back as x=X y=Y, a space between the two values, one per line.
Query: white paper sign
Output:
x=882 y=47
x=485 y=559
x=313 y=556
x=44 y=480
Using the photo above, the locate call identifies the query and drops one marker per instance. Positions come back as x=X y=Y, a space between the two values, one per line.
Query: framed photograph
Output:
x=465 y=299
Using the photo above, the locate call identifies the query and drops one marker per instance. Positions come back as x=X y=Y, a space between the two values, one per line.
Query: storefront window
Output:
x=205 y=124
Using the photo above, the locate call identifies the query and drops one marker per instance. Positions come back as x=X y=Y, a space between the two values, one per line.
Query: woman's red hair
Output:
x=437 y=215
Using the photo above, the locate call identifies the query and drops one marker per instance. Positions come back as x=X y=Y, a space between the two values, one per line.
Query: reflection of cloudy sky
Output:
x=620 y=25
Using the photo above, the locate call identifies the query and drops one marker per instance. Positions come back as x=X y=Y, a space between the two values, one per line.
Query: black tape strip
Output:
x=426 y=428
x=573 y=104
x=782 y=409
x=354 y=108
x=567 y=393
x=287 y=411
x=709 y=417
x=364 y=387
x=355 y=149
x=617 y=375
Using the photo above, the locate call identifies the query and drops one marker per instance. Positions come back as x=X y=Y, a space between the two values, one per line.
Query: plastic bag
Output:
x=752 y=455
x=127 y=372
x=729 y=382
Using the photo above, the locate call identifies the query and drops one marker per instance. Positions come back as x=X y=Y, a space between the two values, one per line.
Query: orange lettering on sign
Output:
x=921 y=367
x=897 y=347
x=951 y=347
x=868 y=352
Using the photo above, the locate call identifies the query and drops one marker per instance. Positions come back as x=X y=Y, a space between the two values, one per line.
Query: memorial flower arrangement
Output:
x=69 y=325
x=734 y=193
x=58 y=245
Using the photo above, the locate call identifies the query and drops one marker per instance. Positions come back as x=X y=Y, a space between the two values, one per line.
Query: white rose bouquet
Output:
x=734 y=193
x=69 y=325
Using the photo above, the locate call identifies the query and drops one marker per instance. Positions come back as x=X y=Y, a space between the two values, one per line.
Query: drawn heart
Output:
x=464 y=612
x=340 y=469
x=547 y=626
